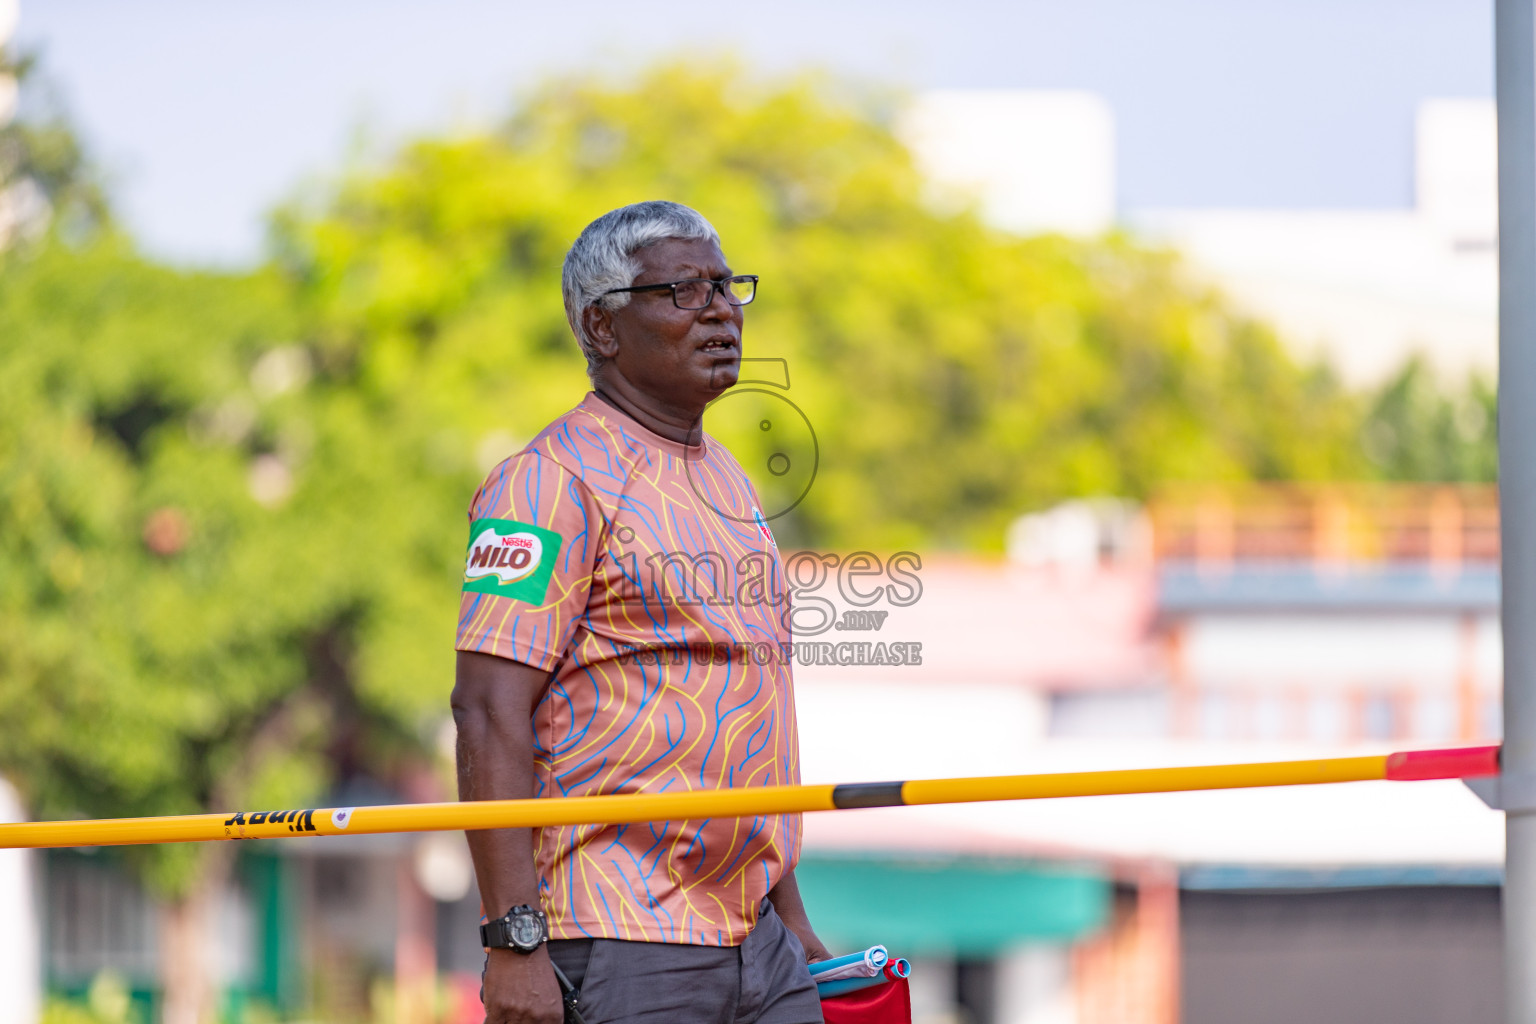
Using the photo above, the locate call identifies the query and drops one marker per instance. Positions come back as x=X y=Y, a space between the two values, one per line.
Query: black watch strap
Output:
x=495 y=934
x=499 y=933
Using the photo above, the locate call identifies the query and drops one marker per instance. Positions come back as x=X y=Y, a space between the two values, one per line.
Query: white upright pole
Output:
x=1515 y=59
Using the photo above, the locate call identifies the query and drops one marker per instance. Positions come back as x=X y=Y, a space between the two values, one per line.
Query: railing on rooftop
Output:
x=1442 y=525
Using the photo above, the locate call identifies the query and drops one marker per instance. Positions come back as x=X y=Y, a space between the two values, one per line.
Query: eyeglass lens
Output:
x=699 y=293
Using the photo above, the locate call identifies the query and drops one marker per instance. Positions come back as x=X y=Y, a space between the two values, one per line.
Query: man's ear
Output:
x=599 y=326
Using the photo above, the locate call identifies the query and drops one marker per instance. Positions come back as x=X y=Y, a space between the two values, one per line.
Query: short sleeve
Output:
x=534 y=536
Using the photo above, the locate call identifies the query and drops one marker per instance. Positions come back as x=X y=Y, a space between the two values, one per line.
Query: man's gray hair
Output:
x=603 y=257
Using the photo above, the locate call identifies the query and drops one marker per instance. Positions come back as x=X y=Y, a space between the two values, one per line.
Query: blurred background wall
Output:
x=1149 y=353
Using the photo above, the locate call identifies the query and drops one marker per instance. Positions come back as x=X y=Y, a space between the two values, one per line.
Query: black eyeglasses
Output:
x=699 y=292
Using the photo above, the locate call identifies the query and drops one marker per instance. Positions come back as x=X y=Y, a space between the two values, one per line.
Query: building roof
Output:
x=1190 y=589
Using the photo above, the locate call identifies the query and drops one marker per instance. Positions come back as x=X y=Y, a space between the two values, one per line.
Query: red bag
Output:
x=890 y=1003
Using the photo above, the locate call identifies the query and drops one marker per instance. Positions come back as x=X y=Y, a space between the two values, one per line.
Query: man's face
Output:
x=684 y=357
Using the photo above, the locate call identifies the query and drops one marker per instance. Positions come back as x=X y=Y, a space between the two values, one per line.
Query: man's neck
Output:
x=685 y=426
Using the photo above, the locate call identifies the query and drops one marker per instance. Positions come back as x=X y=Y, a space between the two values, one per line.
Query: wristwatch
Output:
x=523 y=929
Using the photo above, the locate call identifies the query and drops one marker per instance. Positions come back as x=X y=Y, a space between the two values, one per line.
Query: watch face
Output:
x=526 y=929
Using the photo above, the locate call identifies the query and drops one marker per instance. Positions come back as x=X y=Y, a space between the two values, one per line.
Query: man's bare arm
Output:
x=493 y=701
x=791 y=910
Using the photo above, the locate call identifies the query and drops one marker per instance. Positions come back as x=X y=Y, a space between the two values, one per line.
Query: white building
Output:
x=1033 y=160
x=1286 y=624
x=1366 y=288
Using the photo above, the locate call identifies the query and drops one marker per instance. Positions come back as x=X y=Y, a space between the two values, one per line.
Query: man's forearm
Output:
x=495 y=762
x=493 y=770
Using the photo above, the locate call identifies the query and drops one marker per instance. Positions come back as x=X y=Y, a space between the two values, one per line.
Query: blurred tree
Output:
x=954 y=375
x=44 y=178
x=223 y=582
x=204 y=604
x=1417 y=429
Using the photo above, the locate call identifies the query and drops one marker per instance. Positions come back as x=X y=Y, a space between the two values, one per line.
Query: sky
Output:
x=206 y=115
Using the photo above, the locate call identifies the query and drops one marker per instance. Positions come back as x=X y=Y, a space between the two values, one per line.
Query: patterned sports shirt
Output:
x=640 y=574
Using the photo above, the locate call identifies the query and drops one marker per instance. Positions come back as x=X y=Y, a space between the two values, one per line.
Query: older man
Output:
x=589 y=663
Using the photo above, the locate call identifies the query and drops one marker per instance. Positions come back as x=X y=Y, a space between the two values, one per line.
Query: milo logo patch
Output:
x=510 y=559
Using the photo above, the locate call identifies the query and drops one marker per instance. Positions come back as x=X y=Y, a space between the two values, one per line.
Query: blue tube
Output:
x=827 y=989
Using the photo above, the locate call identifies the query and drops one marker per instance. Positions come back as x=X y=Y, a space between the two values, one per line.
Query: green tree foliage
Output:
x=1416 y=429
x=199 y=591
x=226 y=578
x=44 y=177
x=954 y=376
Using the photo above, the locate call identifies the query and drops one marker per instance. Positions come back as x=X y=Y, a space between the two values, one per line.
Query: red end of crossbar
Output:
x=1452 y=763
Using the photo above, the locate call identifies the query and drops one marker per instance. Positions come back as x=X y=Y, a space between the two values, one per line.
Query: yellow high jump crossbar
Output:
x=1406 y=766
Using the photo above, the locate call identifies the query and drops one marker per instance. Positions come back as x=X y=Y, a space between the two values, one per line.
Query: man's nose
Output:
x=718 y=308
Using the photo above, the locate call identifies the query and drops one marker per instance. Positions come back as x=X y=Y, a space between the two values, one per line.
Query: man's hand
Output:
x=814 y=950
x=520 y=988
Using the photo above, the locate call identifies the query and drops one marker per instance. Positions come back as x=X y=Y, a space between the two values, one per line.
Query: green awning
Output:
x=954 y=905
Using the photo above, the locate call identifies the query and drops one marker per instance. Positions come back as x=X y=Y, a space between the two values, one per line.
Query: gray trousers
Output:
x=762 y=981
